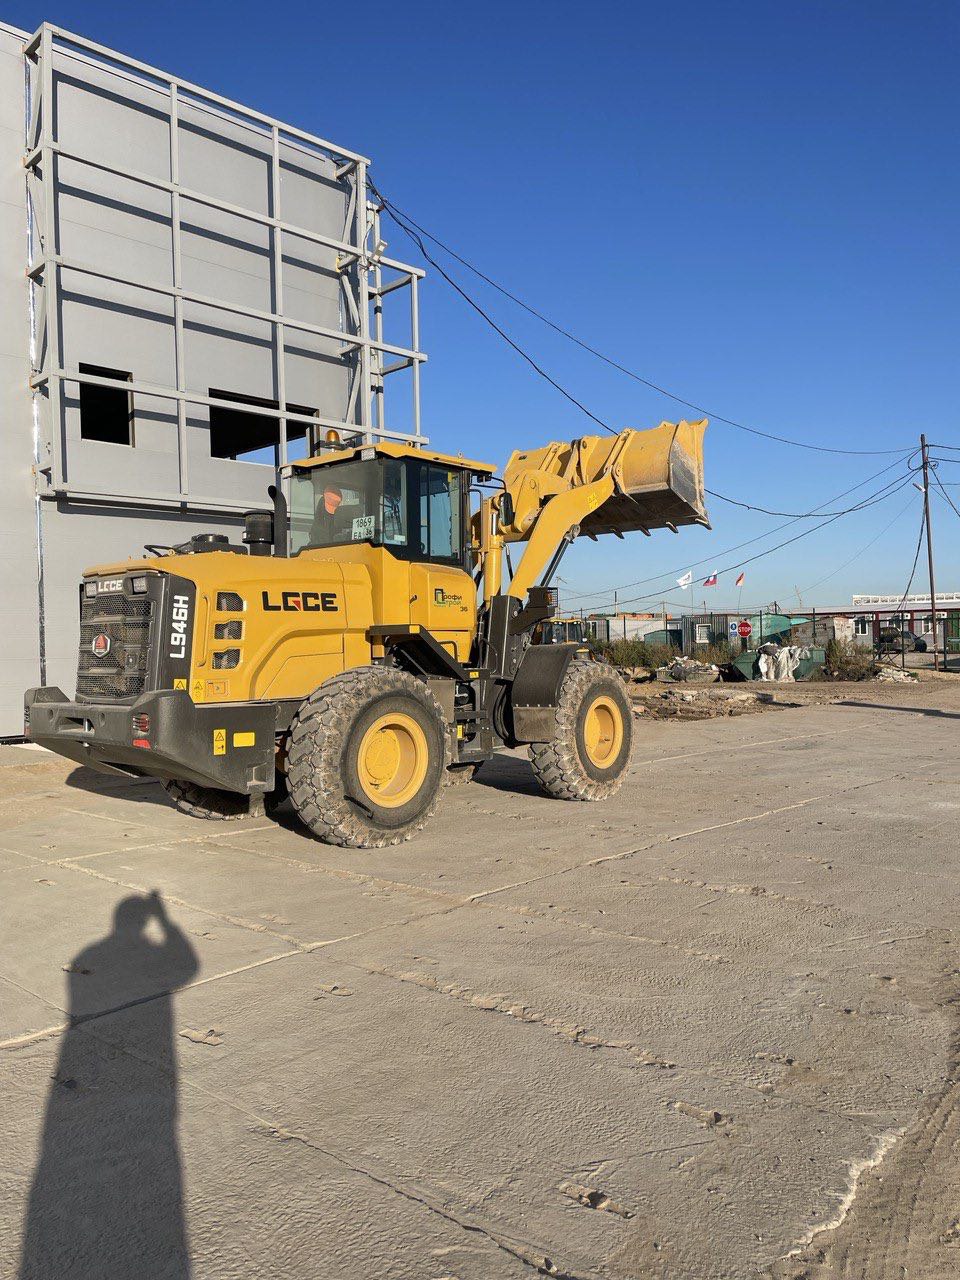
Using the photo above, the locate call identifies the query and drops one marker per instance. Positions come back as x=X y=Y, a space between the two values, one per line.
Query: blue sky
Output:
x=752 y=204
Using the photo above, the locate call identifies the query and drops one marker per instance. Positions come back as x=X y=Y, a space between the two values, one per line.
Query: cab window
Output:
x=352 y=502
x=415 y=508
x=441 y=512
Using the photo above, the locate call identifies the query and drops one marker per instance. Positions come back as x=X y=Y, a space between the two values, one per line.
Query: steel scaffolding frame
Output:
x=360 y=264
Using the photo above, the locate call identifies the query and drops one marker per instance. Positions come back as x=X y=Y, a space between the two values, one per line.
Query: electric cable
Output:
x=786 y=543
x=944 y=492
x=866 y=547
x=405 y=222
x=915 y=560
x=624 y=586
x=793 y=515
x=489 y=319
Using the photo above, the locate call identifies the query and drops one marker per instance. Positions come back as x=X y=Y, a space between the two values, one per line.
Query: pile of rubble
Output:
x=894 y=675
x=701 y=704
x=688 y=671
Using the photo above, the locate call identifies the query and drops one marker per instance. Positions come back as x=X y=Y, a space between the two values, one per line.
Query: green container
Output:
x=748 y=664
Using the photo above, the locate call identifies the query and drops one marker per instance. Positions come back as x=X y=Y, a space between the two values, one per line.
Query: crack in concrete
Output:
x=523 y=1251
x=528 y=1254
x=502 y=1004
x=743 y=746
x=751 y=891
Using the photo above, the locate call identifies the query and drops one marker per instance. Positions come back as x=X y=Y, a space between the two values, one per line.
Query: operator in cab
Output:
x=328 y=525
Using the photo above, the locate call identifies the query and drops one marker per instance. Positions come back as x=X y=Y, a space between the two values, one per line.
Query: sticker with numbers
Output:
x=363 y=527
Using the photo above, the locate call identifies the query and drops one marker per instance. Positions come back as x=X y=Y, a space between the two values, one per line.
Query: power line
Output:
x=405 y=222
x=794 y=515
x=914 y=569
x=483 y=314
x=712 y=558
x=786 y=543
x=944 y=492
x=865 y=547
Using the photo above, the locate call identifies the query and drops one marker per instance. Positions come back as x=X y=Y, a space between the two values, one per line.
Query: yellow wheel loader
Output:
x=362 y=646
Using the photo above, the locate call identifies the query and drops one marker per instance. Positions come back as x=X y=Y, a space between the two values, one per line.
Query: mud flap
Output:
x=534 y=693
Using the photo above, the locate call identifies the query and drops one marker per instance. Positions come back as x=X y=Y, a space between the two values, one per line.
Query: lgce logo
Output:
x=302 y=602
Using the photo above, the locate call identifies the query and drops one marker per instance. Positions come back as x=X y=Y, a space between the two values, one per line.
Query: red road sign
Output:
x=744 y=629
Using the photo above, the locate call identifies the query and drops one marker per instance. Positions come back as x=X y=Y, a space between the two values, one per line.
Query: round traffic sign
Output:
x=744 y=629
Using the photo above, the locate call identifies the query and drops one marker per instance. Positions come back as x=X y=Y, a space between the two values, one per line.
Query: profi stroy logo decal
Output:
x=301 y=602
x=446 y=597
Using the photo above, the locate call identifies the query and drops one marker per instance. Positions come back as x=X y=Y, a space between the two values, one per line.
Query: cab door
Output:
x=443 y=594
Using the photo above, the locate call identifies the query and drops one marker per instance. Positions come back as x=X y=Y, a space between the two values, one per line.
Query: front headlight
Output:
x=139 y=585
x=89 y=588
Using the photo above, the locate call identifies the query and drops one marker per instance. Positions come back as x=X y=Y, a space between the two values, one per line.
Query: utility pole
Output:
x=926 y=515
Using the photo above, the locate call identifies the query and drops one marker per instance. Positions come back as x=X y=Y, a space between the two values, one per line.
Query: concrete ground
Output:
x=706 y=1029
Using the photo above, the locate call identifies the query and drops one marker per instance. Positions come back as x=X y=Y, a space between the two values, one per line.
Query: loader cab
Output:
x=409 y=501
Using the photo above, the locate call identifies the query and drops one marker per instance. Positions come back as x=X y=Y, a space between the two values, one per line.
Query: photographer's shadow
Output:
x=106 y=1198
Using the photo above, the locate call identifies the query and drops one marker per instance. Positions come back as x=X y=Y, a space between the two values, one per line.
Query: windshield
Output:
x=416 y=508
x=349 y=502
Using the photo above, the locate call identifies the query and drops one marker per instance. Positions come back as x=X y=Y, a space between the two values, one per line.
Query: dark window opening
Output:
x=242 y=433
x=106 y=413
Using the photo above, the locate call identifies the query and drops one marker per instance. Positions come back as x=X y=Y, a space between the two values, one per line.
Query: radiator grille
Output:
x=229 y=602
x=122 y=671
x=232 y=630
x=227 y=658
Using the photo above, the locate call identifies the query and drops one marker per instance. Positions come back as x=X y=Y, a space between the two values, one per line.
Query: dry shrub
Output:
x=637 y=653
x=848 y=661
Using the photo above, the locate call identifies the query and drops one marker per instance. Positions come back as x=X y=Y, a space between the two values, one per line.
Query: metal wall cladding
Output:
x=113 y=498
x=124 y=228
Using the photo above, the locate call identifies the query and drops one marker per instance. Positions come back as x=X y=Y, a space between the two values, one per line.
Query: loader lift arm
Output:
x=634 y=481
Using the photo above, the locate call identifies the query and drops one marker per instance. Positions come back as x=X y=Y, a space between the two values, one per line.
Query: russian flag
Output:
x=712 y=580
x=740 y=578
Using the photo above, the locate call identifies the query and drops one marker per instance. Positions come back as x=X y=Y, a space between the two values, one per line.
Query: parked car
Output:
x=896 y=640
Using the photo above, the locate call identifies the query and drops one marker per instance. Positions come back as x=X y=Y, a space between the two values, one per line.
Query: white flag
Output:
x=685 y=580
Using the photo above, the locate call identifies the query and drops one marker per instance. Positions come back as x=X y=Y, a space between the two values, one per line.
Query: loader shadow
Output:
x=508 y=773
x=140 y=790
x=916 y=711
x=106 y=1196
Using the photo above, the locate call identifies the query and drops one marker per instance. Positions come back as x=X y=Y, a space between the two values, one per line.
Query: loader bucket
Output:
x=658 y=476
x=659 y=479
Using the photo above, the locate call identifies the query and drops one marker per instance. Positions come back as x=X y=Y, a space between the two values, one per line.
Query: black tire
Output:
x=206 y=802
x=563 y=766
x=324 y=767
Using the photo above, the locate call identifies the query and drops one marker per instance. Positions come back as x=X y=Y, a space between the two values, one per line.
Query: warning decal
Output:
x=219 y=742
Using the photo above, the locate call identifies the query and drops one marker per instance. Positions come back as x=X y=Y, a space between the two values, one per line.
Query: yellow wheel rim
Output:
x=603 y=732
x=392 y=760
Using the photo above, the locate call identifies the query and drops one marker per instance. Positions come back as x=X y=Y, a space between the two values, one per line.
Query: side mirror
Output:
x=506 y=509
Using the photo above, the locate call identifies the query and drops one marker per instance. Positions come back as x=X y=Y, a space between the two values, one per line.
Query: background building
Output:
x=190 y=292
